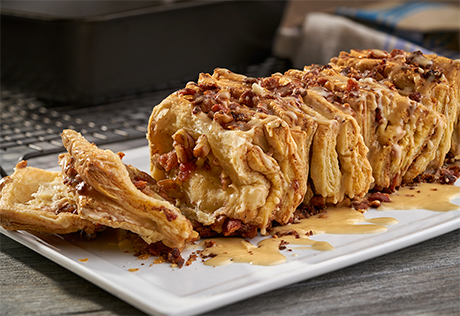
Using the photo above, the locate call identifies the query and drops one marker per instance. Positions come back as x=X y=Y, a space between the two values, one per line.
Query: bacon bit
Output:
x=248 y=98
x=208 y=86
x=416 y=96
x=230 y=226
x=193 y=256
x=185 y=170
x=283 y=244
x=395 y=52
x=170 y=215
x=363 y=205
x=219 y=107
x=321 y=81
x=121 y=155
x=448 y=179
x=352 y=85
x=269 y=83
x=247 y=231
x=186 y=91
x=140 y=184
x=175 y=258
x=379 y=196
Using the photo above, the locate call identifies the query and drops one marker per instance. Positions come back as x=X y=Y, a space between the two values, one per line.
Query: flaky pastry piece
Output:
x=429 y=79
x=107 y=195
x=37 y=200
x=231 y=169
x=339 y=167
x=402 y=135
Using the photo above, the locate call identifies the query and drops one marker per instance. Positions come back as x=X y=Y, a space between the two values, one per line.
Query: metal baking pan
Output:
x=86 y=52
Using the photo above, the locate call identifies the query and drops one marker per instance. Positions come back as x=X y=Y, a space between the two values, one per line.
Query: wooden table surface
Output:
x=423 y=279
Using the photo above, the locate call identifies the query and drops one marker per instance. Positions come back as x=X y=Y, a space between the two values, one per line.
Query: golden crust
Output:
x=401 y=134
x=111 y=198
x=338 y=163
x=432 y=80
x=37 y=200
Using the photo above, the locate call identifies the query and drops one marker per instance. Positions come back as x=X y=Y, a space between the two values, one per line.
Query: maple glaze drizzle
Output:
x=267 y=252
x=427 y=196
x=342 y=220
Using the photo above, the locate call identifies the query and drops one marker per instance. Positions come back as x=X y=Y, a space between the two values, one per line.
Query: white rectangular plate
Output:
x=160 y=289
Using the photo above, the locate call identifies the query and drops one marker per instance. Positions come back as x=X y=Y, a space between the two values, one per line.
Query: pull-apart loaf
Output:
x=233 y=155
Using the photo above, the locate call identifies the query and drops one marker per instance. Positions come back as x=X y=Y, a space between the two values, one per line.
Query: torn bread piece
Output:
x=37 y=200
x=107 y=195
x=233 y=169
